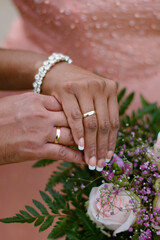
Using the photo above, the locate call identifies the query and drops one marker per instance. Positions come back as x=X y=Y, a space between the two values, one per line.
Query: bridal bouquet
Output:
x=121 y=202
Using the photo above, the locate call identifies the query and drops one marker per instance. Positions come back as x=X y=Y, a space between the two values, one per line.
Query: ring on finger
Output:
x=58 y=134
x=89 y=113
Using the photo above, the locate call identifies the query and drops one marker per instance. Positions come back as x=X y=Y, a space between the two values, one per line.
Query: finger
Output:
x=90 y=130
x=74 y=117
x=114 y=120
x=103 y=130
x=59 y=119
x=66 y=137
x=59 y=152
x=50 y=103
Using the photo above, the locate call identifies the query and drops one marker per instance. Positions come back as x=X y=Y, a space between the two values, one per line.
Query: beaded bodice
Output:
x=116 y=38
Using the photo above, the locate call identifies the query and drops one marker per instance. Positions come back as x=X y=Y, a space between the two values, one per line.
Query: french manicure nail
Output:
x=101 y=163
x=110 y=154
x=108 y=160
x=91 y=167
x=81 y=144
x=81 y=148
x=92 y=161
x=99 y=169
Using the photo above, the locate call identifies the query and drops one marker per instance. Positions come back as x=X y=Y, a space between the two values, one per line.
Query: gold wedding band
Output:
x=89 y=114
x=58 y=134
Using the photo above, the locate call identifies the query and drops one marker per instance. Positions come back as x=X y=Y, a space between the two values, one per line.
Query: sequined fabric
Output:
x=117 y=39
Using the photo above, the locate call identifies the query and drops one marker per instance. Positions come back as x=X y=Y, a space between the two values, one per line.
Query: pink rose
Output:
x=111 y=210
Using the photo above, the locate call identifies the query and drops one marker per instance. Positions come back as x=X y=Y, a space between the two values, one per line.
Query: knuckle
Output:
x=91 y=123
x=69 y=87
x=77 y=157
x=115 y=124
x=62 y=152
x=104 y=127
x=99 y=84
x=39 y=114
x=113 y=86
x=76 y=115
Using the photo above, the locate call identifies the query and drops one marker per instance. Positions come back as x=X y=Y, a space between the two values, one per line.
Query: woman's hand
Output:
x=79 y=92
x=28 y=128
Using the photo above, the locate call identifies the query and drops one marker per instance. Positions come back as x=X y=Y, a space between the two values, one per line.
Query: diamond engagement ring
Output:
x=58 y=134
x=89 y=114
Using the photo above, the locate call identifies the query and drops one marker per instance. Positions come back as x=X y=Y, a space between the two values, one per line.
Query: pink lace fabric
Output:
x=118 y=39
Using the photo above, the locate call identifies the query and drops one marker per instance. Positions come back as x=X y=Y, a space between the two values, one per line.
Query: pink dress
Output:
x=119 y=39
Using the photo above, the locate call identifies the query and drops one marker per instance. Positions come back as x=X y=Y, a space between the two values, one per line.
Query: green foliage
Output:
x=125 y=104
x=41 y=207
x=67 y=207
x=58 y=229
x=58 y=176
x=43 y=163
x=121 y=94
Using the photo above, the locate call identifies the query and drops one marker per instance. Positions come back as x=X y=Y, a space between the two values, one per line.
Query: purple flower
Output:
x=145 y=198
x=82 y=186
x=75 y=189
x=146 y=224
x=140 y=178
x=119 y=134
x=128 y=168
x=110 y=176
x=130 y=229
x=158 y=233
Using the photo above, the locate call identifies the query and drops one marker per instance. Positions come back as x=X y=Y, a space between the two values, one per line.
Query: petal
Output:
x=124 y=227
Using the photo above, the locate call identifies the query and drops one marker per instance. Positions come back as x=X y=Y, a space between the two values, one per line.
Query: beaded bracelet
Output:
x=52 y=60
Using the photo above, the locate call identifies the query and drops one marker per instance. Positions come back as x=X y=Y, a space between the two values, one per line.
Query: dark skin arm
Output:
x=17 y=69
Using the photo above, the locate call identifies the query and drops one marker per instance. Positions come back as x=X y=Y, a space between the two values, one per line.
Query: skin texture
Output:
x=78 y=91
x=27 y=130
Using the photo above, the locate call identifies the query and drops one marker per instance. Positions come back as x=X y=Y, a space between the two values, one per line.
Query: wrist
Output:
x=46 y=67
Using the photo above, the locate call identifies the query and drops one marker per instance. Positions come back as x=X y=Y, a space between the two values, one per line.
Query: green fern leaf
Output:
x=32 y=211
x=48 y=222
x=60 y=199
x=121 y=94
x=39 y=221
x=43 y=163
x=13 y=220
x=52 y=205
x=25 y=214
x=124 y=106
x=41 y=207
x=144 y=101
x=58 y=176
x=58 y=229
x=20 y=216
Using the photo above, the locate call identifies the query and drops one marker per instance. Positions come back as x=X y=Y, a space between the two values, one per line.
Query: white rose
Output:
x=111 y=216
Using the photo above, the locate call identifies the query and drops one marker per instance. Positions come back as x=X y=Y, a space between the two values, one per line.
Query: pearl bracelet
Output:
x=52 y=60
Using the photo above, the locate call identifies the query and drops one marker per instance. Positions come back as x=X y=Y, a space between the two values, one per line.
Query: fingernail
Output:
x=101 y=163
x=110 y=154
x=91 y=167
x=92 y=161
x=99 y=169
x=108 y=160
x=81 y=144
